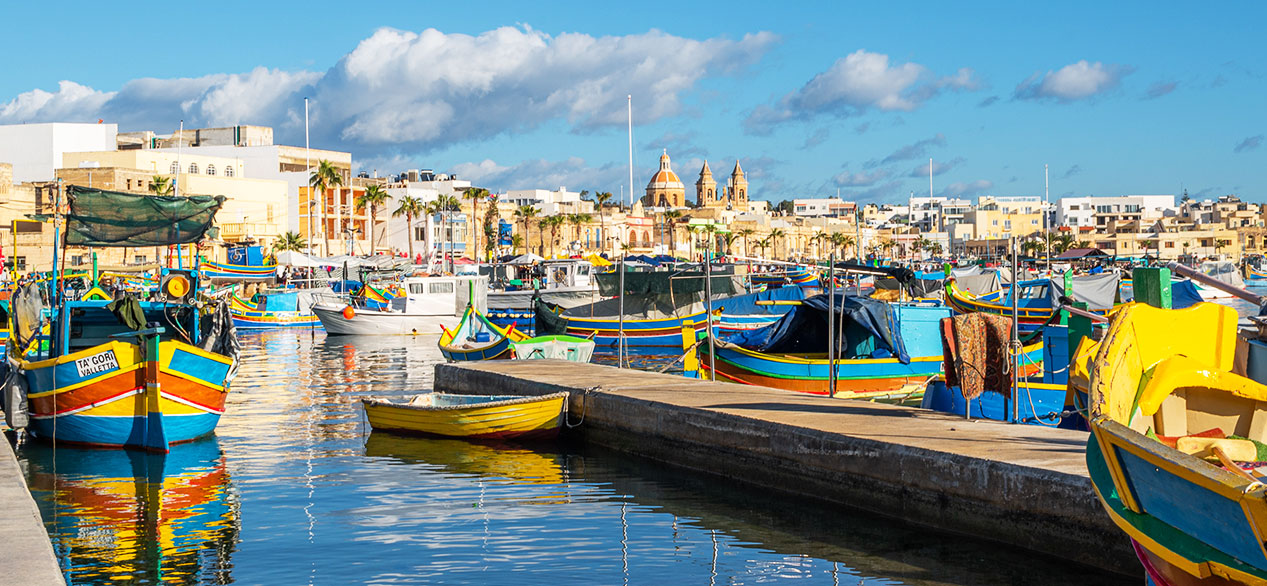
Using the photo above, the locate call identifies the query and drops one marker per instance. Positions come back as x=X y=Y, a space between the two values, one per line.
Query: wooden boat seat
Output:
x=1183 y=396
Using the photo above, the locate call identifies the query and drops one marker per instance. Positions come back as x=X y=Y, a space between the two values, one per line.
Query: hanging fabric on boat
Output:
x=868 y=330
x=113 y=218
x=127 y=309
x=26 y=309
x=975 y=351
x=219 y=335
x=548 y=321
x=1097 y=291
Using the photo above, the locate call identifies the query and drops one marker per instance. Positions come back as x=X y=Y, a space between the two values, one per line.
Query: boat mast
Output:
x=307 y=171
x=629 y=101
x=1046 y=199
x=176 y=191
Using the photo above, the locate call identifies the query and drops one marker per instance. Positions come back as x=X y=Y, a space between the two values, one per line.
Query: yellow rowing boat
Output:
x=470 y=416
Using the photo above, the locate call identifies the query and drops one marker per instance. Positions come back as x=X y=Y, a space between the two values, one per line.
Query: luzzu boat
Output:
x=884 y=349
x=1177 y=446
x=1253 y=274
x=477 y=338
x=485 y=417
x=1035 y=305
x=797 y=278
x=99 y=382
x=273 y=311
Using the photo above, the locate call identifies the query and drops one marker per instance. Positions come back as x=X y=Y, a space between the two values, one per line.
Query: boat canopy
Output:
x=1223 y=270
x=115 y=219
x=869 y=330
x=666 y=283
x=1097 y=291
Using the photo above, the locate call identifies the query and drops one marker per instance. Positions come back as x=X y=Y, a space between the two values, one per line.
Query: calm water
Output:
x=293 y=489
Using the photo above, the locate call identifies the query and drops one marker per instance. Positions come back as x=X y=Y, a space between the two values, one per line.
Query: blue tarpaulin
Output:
x=348 y=286
x=747 y=304
x=281 y=302
x=1184 y=294
x=869 y=330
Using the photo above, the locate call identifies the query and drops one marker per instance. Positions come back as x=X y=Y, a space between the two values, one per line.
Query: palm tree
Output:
x=711 y=231
x=935 y=249
x=746 y=234
x=1061 y=243
x=730 y=238
x=775 y=235
x=525 y=214
x=475 y=194
x=763 y=244
x=410 y=207
x=326 y=176
x=553 y=222
x=446 y=205
x=517 y=241
x=601 y=198
x=578 y=220
x=671 y=219
x=373 y=197
x=290 y=241
x=160 y=185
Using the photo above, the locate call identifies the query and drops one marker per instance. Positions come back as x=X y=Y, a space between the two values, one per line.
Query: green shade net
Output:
x=663 y=283
x=112 y=218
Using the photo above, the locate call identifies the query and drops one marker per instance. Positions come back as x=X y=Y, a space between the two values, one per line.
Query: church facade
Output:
x=666 y=190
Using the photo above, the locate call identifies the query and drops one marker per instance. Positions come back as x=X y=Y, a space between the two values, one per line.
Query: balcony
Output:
x=239 y=231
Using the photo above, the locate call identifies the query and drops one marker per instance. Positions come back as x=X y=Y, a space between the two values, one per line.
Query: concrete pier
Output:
x=1022 y=485
x=28 y=553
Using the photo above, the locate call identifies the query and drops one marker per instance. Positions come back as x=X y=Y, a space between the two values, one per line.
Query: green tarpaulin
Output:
x=112 y=218
x=662 y=282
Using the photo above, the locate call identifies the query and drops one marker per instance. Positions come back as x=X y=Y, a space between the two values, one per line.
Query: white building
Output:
x=1095 y=211
x=934 y=214
x=560 y=201
x=35 y=150
x=823 y=206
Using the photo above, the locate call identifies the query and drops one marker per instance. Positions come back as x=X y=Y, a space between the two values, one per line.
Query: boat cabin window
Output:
x=416 y=288
x=437 y=288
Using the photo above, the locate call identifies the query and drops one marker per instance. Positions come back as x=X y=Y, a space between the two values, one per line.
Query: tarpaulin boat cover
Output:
x=113 y=218
x=1097 y=291
x=959 y=272
x=987 y=282
x=1184 y=294
x=1223 y=270
x=747 y=304
x=665 y=282
x=869 y=327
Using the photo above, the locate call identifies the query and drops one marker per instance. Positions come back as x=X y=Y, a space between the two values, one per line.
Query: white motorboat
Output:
x=429 y=304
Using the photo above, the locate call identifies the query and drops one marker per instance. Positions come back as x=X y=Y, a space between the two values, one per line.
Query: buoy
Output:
x=348 y=312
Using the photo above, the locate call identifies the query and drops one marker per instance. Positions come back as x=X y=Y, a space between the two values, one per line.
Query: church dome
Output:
x=665 y=178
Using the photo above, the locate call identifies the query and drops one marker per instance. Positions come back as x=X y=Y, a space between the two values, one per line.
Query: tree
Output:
x=290 y=241
x=1061 y=243
x=373 y=197
x=763 y=244
x=525 y=214
x=711 y=231
x=746 y=234
x=601 y=198
x=1031 y=248
x=160 y=185
x=475 y=194
x=552 y=224
x=671 y=219
x=410 y=207
x=326 y=176
x=517 y=242
x=446 y=205
x=775 y=235
x=730 y=238
x=491 y=225
x=936 y=249
x=785 y=206
x=578 y=220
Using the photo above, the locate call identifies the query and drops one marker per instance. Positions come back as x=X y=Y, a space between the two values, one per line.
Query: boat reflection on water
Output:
x=505 y=461
x=126 y=516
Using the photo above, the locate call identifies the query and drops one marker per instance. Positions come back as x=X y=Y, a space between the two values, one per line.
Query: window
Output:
x=211 y=169
x=139 y=259
x=77 y=259
x=20 y=261
x=416 y=288
x=420 y=233
x=1170 y=244
x=440 y=288
x=193 y=168
x=175 y=168
x=228 y=171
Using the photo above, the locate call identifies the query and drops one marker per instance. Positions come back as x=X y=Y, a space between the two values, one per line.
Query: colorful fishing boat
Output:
x=1036 y=306
x=483 y=417
x=476 y=338
x=1177 y=448
x=107 y=377
x=884 y=350
x=236 y=272
x=287 y=309
x=1253 y=274
x=799 y=277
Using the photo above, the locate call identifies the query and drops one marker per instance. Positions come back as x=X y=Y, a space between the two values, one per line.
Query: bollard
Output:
x=690 y=364
x=1152 y=286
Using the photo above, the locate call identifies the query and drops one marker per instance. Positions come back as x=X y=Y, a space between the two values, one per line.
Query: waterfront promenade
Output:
x=1021 y=485
x=28 y=554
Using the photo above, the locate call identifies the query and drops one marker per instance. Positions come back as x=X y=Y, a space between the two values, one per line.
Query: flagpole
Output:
x=312 y=236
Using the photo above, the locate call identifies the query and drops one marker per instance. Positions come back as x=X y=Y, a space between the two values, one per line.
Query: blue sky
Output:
x=1117 y=98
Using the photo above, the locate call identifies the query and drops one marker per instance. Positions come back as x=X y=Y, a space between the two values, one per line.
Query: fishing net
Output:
x=112 y=218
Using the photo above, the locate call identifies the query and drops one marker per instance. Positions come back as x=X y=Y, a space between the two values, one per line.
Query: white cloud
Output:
x=939 y=167
x=407 y=91
x=856 y=83
x=71 y=102
x=573 y=173
x=971 y=188
x=1072 y=82
x=860 y=179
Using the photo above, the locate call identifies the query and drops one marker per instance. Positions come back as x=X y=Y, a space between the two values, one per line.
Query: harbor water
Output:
x=294 y=489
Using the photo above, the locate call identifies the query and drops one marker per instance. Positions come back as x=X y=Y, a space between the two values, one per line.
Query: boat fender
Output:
x=348 y=312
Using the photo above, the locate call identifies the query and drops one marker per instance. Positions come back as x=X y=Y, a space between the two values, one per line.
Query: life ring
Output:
x=348 y=312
